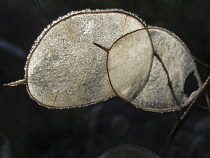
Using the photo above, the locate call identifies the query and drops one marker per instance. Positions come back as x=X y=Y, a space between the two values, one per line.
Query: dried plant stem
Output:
x=207 y=101
x=186 y=114
x=16 y=83
x=201 y=62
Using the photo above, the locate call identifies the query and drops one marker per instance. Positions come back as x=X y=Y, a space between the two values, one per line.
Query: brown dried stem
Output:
x=187 y=113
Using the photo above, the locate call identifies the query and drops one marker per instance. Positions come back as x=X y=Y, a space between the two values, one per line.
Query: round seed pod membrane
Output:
x=129 y=63
x=65 y=69
x=164 y=90
x=131 y=151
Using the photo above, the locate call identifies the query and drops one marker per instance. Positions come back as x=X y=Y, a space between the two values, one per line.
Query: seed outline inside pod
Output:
x=129 y=89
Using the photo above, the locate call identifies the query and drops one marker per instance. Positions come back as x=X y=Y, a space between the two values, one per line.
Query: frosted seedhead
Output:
x=131 y=151
x=89 y=56
x=171 y=66
x=65 y=69
x=129 y=63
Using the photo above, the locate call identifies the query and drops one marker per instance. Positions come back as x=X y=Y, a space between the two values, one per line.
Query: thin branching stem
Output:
x=185 y=115
x=207 y=101
x=201 y=62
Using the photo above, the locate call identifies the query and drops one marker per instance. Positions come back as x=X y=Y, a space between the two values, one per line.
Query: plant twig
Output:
x=201 y=62
x=16 y=83
x=185 y=115
x=207 y=101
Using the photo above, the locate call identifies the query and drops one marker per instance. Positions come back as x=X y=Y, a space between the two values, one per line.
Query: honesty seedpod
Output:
x=150 y=72
x=127 y=150
x=89 y=56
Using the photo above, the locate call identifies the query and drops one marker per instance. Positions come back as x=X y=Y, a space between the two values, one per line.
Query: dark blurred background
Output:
x=30 y=130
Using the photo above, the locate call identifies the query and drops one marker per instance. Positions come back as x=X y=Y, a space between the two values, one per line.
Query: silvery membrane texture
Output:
x=65 y=68
x=157 y=95
x=89 y=56
x=129 y=64
x=131 y=151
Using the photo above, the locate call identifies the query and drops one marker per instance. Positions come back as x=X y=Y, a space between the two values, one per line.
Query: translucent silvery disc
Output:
x=172 y=64
x=129 y=63
x=149 y=68
x=89 y=56
x=65 y=69
x=128 y=151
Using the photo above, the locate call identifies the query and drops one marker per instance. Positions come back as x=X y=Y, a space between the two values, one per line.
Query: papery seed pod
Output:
x=129 y=63
x=64 y=68
x=160 y=88
x=89 y=56
x=128 y=151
